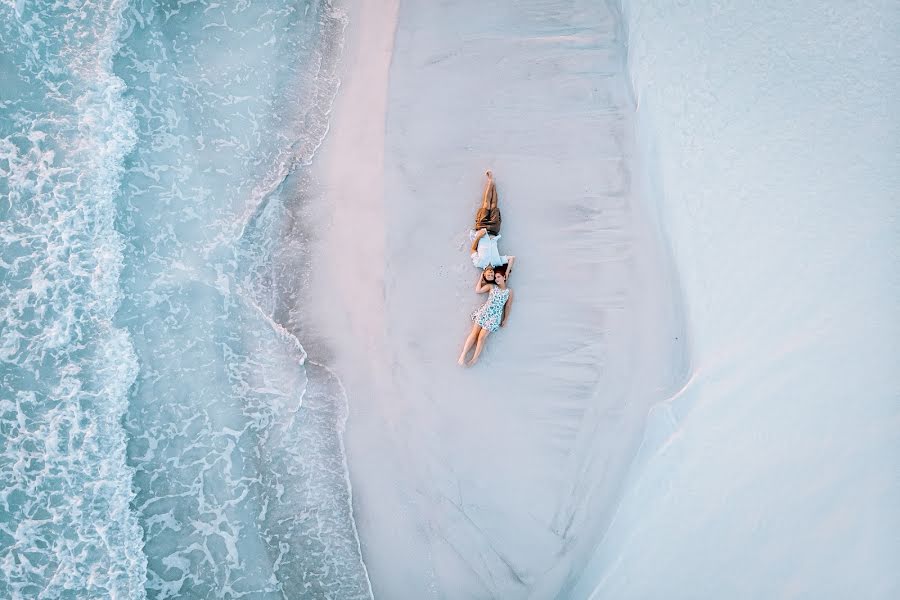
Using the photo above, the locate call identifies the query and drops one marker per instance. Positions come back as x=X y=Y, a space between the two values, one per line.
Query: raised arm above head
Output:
x=482 y=286
x=509 y=266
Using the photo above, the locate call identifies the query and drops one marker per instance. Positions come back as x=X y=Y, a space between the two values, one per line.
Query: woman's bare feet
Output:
x=489 y=173
x=472 y=362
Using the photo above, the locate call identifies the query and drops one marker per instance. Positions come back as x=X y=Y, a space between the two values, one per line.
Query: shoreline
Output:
x=440 y=475
x=347 y=186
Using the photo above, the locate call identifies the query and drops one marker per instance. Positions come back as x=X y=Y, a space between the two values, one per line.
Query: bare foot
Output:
x=472 y=362
x=489 y=174
x=462 y=360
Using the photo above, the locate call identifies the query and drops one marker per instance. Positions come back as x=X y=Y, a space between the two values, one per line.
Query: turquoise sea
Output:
x=161 y=432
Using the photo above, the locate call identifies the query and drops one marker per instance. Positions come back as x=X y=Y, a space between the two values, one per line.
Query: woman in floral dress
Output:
x=489 y=317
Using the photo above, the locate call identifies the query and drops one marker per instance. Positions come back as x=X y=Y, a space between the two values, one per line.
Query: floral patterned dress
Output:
x=491 y=312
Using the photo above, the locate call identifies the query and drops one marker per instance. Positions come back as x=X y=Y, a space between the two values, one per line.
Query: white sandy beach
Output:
x=492 y=481
x=236 y=279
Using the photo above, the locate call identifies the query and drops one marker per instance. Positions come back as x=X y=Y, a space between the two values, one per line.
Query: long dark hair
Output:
x=499 y=271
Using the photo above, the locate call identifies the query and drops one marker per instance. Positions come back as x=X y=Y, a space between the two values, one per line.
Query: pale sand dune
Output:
x=491 y=481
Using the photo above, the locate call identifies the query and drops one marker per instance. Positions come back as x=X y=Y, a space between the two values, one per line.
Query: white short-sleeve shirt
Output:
x=487 y=252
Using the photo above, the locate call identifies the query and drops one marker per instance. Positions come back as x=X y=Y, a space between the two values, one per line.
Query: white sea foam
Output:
x=241 y=487
x=66 y=369
x=259 y=502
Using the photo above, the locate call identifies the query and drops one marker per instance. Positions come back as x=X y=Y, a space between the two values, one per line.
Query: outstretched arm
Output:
x=506 y=308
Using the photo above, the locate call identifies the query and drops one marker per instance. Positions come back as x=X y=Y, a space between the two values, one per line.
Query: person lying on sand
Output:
x=487 y=275
x=484 y=236
x=492 y=315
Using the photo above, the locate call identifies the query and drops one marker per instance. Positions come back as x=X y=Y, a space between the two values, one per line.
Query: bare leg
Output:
x=470 y=341
x=488 y=191
x=482 y=336
x=493 y=201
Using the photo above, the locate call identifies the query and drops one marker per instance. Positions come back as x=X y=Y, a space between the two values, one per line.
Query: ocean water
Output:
x=162 y=434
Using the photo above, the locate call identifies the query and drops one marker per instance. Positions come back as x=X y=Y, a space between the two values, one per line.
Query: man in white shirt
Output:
x=485 y=252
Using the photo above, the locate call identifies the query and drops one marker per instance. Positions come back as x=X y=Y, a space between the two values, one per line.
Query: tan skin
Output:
x=488 y=275
x=488 y=200
x=478 y=335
